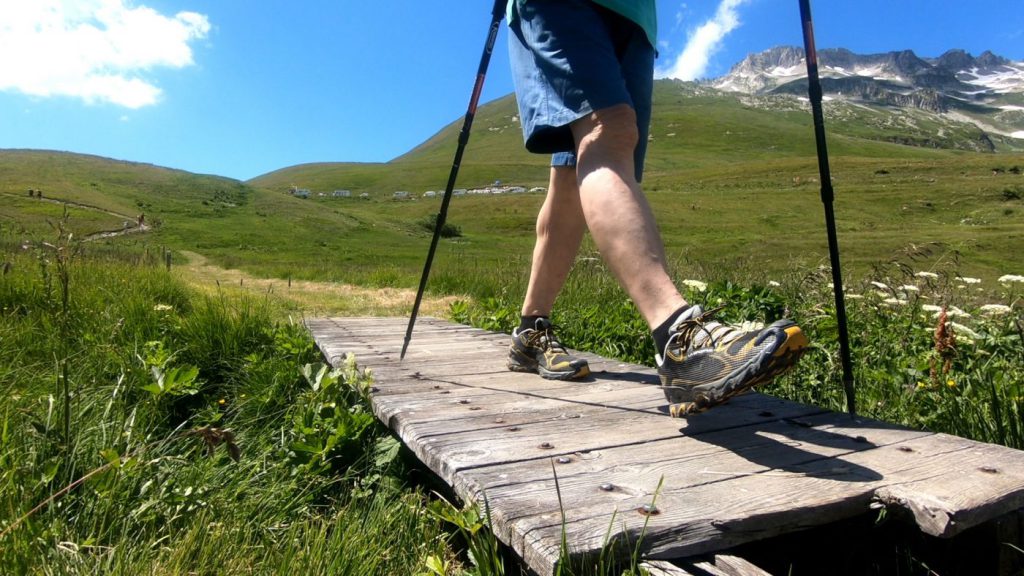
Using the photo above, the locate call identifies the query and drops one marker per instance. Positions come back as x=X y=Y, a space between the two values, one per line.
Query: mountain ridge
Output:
x=986 y=91
x=955 y=70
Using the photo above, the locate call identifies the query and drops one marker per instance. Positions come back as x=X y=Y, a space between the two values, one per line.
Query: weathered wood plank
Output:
x=735 y=566
x=749 y=470
x=695 y=518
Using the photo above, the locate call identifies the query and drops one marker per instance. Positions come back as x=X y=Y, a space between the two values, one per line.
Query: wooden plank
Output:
x=562 y=434
x=662 y=568
x=525 y=502
x=736 y=566
x=719 y=565
x=749 y=470
x=700 y=516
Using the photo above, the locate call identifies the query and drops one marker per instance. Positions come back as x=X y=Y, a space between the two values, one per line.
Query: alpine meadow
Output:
x=166 y=411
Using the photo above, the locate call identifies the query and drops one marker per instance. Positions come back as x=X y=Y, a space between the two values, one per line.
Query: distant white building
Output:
x=429 y=194
x=342 y=194
x=364 y=195
x=459 y=192
x=400 y=194
x=301 y=192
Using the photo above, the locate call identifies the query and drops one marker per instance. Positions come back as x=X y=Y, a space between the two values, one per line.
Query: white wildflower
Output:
x=163 y=307
x=774 y=284
x=855 y=296
x=932 y=308
x=881 y=294
x=926 y=275
x=895 y=301
x=910 y=288
x=879 y=285
x=751 y=326
x=968 y=280
x=960 y=329
x=995 y=309
x=696 y=285
x=954 y=312
x=1007 y=278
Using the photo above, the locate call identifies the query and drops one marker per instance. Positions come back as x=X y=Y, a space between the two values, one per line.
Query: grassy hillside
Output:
x=733 y=181
x=104 y=192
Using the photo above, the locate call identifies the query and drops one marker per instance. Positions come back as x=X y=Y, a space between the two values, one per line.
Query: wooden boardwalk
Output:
x=754 y=468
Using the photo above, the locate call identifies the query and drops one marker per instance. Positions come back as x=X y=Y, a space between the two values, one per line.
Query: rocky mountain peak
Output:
x=954 y=74
x=956 y=84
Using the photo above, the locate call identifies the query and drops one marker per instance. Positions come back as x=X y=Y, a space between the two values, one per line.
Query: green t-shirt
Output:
x=643 y=12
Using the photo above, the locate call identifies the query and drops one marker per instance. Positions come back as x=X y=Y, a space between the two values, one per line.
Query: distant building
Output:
x=429 y=194
x=400 y=195
x=301 y=193
x=364 y=195
x=342 y=194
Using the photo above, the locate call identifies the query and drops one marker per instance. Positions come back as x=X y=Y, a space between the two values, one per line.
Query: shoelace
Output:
x=686 y=332
x=546 y=339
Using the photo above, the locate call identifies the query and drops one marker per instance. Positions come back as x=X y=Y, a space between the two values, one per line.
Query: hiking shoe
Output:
x=538 y=350
x=705 y=362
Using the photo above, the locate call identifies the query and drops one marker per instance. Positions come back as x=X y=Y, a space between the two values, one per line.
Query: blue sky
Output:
x=240 y=88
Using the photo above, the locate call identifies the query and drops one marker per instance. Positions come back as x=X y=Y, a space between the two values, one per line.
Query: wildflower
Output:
x=696 y=285
x=921 y=385
x=965 y=330
x=894 y=301
x=955 y=312
x=995 y=309
x=950 y=383
x=967 y=280
x=910 y=288
x=945 y=348
x=222 y=401
x=751 y=326
x=163 y=307
x=931 y=308
x=926 y=275
x=774 y=284
x=1007 y=278
x=854 y=296
x=879 y=285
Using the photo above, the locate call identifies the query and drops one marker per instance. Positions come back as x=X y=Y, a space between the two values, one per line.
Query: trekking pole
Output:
x=827 y=195
x=496 y=15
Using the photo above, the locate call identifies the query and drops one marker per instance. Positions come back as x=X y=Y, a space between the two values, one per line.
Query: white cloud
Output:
x=692 y=63
x=96 y=50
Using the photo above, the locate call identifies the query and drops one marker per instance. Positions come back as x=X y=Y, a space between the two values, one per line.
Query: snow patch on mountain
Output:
x=1005 y=79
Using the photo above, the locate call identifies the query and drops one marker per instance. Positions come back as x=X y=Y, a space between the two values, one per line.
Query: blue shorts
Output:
x=570 y=58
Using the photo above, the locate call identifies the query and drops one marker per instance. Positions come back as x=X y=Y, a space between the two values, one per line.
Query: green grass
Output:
x=213 y=443
x=900 y=374
x=732 y=180
x=205 y=447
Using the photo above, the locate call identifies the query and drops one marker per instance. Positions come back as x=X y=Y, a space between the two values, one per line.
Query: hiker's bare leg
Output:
x=560 y=227
x=617 y=212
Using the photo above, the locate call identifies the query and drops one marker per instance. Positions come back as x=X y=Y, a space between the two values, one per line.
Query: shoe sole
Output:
x=771 y=363
x=583 y=371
